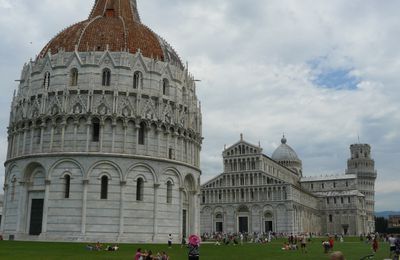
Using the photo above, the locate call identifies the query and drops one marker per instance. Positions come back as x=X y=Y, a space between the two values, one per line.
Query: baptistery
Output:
x=104 y=136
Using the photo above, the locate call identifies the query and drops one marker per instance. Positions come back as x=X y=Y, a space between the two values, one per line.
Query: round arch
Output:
x=121 y=176
x=148 y=167
x=57 y=163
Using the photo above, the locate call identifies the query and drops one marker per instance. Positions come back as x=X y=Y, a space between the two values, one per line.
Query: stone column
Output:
x=157 y=133
x=122 y=208
x=102 y=123
x=76 y=124
x=155 y=212
x=17 y=147
x=21 y=207
x=180 y=212
x=42 y=128
x=88 y=125
x=3 y=220
x=113 y=127
x=136 y=139
x=84 y=206
x=125 y=134
x=53 y=125
x=45 y=206
x=24 y=141
x=63 y=125
x=32 y=129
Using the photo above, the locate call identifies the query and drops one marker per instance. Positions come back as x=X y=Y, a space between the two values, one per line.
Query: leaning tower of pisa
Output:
x=362 y=165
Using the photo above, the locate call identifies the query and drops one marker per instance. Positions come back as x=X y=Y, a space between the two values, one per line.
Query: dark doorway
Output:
x=243 y=224
x=35 y=227
x=345 y=229
x=218 y=227
x=268 y=226
x=184 y=222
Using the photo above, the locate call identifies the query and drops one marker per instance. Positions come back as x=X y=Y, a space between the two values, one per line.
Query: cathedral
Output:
x=104 y=136
x=258 y=193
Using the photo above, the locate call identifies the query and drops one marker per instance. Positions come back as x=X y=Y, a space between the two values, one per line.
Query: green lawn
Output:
x=353 y=250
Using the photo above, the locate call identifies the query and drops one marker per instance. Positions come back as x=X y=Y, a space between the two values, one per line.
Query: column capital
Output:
x=123 y=183
x=157 y=185
x=47 y=182
x=85 y=182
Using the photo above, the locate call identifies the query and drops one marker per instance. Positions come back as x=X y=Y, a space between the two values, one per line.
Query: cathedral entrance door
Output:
x=243 y=224
x=35 y=227
x=268 y=226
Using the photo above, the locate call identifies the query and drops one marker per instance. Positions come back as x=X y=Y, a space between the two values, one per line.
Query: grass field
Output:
x=353 y=250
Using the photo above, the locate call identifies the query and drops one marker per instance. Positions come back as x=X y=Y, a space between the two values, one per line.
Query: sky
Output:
x=325 y=73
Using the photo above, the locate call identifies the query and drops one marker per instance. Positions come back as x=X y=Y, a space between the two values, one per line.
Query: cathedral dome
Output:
x=113 y=25
x=284 y=152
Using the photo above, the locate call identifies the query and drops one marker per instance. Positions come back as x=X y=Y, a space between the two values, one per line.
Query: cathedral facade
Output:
x=258 y=193
x=104 y=136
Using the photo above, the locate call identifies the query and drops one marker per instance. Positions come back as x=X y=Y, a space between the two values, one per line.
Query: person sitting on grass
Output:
x=285 y=246
x=112 y=248
x=98 y=246
x=149 y=256
x=337 y=256
x=164 y=256
x=139 y=255
x=326 y=246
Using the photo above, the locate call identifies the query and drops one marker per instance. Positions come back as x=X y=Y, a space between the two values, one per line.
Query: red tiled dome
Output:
x=116 y=25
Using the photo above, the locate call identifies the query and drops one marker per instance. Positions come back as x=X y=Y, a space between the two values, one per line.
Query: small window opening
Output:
x=67 y=186
x=104 y=188
x=46 y=80
x=96 y=130
x=74 y=77
x=139 y=189
x=169 y=192
x=106 y=77
x=142 y=133
x=137 y=78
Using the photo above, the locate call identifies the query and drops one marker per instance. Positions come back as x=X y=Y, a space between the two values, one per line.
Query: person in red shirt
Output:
x=375 y=245
x=331 y=243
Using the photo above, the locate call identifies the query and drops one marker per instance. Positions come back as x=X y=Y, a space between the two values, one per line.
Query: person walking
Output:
x=169 y=241
x=194 y=244
x=375 y=244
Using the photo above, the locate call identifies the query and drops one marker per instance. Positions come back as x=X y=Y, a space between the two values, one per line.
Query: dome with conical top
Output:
x=286 y=156
x=113 y=25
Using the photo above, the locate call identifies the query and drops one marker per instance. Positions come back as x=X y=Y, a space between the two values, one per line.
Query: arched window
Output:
x=165 y=87
x=67 y=184
x=73 y=81
x=137 y=80
x=169 y=192
x=139 y=189
x=46 y=80
x=106 y=77
x=104 y=187
x=142 y=134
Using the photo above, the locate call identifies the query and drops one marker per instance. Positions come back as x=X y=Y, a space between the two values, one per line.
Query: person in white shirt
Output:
x=392 y=245
x=169 y=240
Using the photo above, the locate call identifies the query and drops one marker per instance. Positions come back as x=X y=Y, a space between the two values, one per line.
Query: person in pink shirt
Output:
x=139 y=255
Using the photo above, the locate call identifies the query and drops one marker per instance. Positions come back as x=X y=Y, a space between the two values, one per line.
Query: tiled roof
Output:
x=112 y=25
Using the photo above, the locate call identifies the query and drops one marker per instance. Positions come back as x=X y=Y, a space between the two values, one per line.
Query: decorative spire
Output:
x=127 y=9
x=283 y=140
x=241 y=137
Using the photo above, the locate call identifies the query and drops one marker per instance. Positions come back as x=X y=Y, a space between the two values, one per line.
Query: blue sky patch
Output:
x=333 y=78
